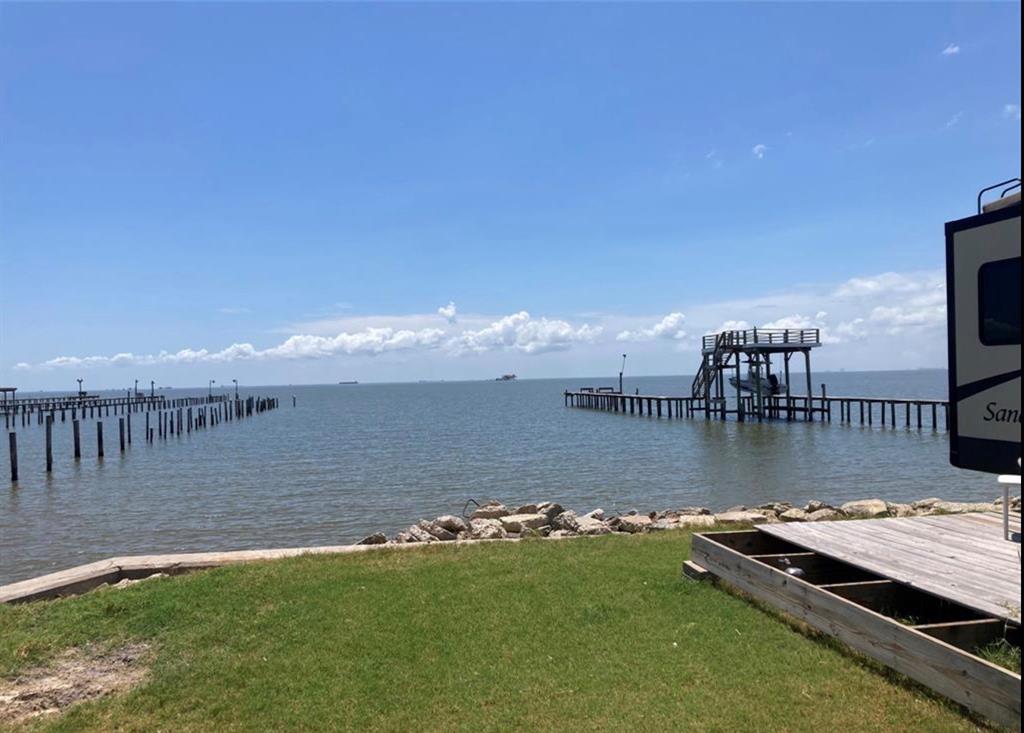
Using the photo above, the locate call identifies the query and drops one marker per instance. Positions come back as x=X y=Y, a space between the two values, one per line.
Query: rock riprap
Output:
x=495 y=521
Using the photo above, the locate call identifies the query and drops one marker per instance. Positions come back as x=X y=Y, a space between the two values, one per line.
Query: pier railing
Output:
x=764 y=336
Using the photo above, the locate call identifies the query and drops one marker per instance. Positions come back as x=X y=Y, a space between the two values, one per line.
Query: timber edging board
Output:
x=82 y=578
x=980 y=686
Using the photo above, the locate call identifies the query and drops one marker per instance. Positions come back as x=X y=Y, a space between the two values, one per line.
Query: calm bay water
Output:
x=350 y=460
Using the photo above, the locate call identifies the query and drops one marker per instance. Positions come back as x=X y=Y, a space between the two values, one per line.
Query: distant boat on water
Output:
x=350 y=381
x=506 y=378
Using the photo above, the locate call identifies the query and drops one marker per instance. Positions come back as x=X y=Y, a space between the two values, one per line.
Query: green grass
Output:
x=593 y=634
x=1002 y=653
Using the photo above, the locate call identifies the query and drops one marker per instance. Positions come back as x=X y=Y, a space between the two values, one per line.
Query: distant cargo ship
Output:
x=506 y=378
x=351 y=381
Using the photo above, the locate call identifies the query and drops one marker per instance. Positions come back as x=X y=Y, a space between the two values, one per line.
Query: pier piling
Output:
x=49 y=444
x=12 y=442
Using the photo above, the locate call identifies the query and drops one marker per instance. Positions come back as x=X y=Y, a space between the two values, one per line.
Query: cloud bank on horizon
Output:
x=861 y=310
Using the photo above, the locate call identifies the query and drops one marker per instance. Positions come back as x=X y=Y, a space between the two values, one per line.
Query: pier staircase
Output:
x=710 y=366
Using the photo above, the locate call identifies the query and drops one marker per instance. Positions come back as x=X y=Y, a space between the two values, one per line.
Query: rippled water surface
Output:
x=349 y=460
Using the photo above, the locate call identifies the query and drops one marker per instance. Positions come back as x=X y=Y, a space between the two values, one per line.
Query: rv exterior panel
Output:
x=983 y=279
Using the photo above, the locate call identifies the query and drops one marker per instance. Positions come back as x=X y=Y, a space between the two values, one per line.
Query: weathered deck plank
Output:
x=960 y=557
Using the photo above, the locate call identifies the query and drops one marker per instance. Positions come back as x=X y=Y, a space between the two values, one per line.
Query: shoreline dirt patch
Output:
x=77 y=675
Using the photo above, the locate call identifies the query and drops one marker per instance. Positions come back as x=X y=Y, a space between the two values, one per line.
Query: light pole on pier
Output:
x=79 y=387
x=152 y=388
x=623 y=369
x=236 y=388
x=212 y=382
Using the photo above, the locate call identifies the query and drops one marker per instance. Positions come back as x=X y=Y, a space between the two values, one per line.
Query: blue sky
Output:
x=291 y=192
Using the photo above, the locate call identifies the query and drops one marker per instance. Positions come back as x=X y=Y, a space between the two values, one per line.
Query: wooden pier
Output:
x=761 y=395
x=163 y=417
x=883 y=411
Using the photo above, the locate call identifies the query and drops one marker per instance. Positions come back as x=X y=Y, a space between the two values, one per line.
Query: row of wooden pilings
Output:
x=29 y=411
x=169 y=417
x=891 y=411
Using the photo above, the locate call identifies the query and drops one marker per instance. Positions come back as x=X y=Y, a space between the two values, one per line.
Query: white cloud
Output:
x=730 y=326
x=890 y=282
x=448 y=312
x=371 y=341
x=759 y=150
x=520 y=332
x=854 y=330
x=896 y=319
x=954 y=120
x=951 y=50
x=669 y=327
x=800 y=322
x=711 y=154
x=885 y=320
x=910 y=300
x=1011 y=111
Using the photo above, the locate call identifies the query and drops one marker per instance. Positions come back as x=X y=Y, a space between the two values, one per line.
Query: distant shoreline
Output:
x=365 y=383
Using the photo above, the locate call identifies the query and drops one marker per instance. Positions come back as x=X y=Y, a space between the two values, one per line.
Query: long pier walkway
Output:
x=885 y=411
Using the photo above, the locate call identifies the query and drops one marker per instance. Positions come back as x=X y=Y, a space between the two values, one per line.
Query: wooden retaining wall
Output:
x=843 y=601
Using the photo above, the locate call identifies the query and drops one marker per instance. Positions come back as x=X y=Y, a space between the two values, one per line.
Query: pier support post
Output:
x=12 y=442
x=49 y=444
x=740 y=413
x=99 y=439
x=75 y=431
x=810 y=393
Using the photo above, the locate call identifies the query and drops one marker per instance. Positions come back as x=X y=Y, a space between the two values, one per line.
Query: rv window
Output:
x=999 y=302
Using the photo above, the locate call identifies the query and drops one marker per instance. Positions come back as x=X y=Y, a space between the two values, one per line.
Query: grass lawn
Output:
x=589 y=634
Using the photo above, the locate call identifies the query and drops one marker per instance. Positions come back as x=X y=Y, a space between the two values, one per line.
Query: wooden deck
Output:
x=961 y=557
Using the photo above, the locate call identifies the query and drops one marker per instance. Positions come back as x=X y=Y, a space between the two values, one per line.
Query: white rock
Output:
x=866 y=508
x=486 y=529
x=452 y=523
x=550 y=509
x=740 y=517
x=962 y=507
x=696 y=521
x=793 y=515
x=436 y=531
x=566 y=520
x=418 y=534
x=824 y=515
x=634 y=523
x=901 y=510
x=597 y=514
x=493 y=510
x=560 y=534
x=926 y=503
x=591 y=526
x=661 y=525
x=519 y=522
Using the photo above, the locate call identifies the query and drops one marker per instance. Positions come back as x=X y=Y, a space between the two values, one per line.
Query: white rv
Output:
x=983 y=279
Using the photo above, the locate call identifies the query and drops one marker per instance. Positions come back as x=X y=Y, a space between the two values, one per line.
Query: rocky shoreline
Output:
x=495 y=521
